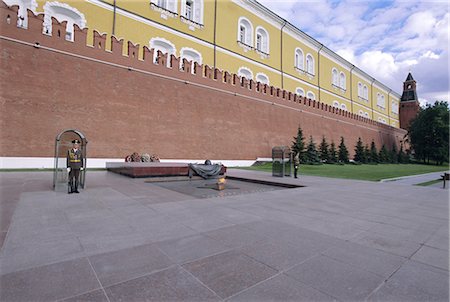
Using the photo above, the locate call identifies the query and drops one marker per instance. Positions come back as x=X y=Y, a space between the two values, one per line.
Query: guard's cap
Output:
x=75 y=141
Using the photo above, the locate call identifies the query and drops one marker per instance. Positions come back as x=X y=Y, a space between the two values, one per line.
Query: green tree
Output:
x=323 y=150
x=393 y=154
x=359 y=151
x=343 y=152
x=402 y=158
x=384 y=156
x=312 y=156
x=333 y=153
x=429 y=133
x=367 y=154
x=373 y=153
x=298 y=145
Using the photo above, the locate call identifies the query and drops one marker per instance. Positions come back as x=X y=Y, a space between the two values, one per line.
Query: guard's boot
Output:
x=76 y=187
x=70 y=187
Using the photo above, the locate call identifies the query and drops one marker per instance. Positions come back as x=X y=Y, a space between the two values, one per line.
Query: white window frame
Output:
x=311 y=95
x=62 y=12
x=310 y=64
x=300 y=91
x=262 y=32
x=248 y=31
x=262 y=78
x=344 y=107
x=164 y=46
x=360 y=90
x=335 y=77
x=394 y=107
x=342 y=80
x=336 y=104
x=366 y=92
x=299 y=59
x=169 y=5
x=197 y=10
x=381 y=100
x=191 y=55
x=245 y=72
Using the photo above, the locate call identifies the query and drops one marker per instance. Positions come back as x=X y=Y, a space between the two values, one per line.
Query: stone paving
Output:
x=123 y=239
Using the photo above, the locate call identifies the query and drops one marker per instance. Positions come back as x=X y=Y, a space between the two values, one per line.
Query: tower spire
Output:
x=409 y=103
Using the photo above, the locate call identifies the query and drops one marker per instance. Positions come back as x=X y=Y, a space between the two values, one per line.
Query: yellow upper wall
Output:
x=228 y=16
x=290 y=45
x=140 y=22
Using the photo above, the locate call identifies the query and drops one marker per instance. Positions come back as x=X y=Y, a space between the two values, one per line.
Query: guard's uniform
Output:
x=296 y=164
x=75 y=163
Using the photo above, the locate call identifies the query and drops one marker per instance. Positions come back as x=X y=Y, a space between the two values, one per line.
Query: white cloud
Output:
x=385 y=39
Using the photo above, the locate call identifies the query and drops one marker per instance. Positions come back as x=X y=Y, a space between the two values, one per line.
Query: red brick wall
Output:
x=408 y=112
x=121 y=110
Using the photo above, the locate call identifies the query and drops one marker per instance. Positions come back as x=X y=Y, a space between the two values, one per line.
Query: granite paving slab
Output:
x=432 y=256
x=235 y=236
x=282 y=288
x=50 y=282
x=191 y=248
x=94 y=296
x=361 y=233
x=278 y=255
x=229 y=273
x=130 y=263
x=20 y=257
x=414 y=282
x=369 y=259
x=387 y=243
x=440 y=239
x=173 y=284
x=337 y=279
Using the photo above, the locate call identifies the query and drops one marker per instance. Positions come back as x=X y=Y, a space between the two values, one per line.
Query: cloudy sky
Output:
x=386 y=39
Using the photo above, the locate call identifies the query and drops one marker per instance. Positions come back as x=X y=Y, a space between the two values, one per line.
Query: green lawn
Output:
x=363 y=172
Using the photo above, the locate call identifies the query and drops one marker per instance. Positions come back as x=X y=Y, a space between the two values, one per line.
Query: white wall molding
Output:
x=48 y=162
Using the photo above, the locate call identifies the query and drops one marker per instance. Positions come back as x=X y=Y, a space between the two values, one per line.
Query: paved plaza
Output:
x=123 y=239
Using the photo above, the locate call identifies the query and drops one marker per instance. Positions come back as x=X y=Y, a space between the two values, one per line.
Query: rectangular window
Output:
x=242 y=34
x=258 y=42
x=162 y=3
x=189 y=10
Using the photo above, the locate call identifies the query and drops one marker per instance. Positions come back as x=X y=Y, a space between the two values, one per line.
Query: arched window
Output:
x=310 y=64
x=342 y=81
x=262 y=78
x=192 y=10
x=299 y=59
x=380 y=100
x=310 y=95
x=366 y=114
x=62 y=12
x=191 y=55
x=335 y=77
x=262 y=40
x=336 y=104
x=360 y=90
x=22 y=15
x=245 y=31
x=300 y=91
x=343 y=107
x=365 y=92
x=361 y=113
x=164 y=46
x=246 y=73
x=170 y=5
x=394 y=108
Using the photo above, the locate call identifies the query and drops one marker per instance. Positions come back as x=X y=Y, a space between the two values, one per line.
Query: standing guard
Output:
x=74 y=165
